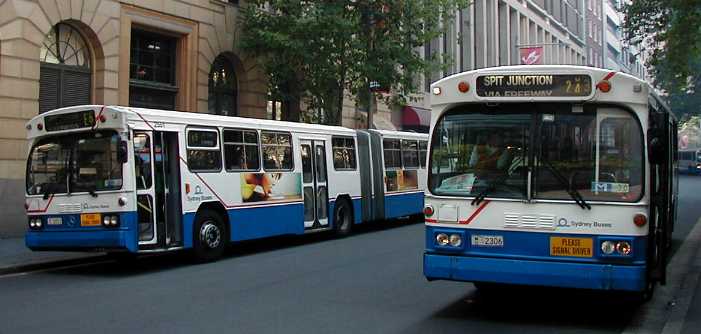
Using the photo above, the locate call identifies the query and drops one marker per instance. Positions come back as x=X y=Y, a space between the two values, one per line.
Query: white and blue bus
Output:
x=126 y=179
x=558 y=176
x=690 y=161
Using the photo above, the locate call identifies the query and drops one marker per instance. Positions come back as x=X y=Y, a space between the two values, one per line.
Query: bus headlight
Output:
x=442 y=239
x=110 y=220
x=455 y=240
x=35 y=223
x=623 y=247
x=607 y=247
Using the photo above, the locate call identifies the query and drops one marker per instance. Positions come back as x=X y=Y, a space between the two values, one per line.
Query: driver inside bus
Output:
x=491 y=159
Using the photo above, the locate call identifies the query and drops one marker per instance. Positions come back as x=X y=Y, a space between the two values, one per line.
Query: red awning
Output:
x=415 y=116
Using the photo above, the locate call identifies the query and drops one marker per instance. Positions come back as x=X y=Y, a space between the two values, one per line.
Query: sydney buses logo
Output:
x=563 y=223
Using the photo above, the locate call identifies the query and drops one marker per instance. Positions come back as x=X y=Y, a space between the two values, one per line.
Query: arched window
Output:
x=65 y=72
x=222 y=87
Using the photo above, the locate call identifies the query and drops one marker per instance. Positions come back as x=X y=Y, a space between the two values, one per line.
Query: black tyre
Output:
x=342 y=218
x=210 y=236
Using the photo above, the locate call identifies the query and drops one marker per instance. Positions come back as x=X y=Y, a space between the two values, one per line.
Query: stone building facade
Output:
x=177 y=54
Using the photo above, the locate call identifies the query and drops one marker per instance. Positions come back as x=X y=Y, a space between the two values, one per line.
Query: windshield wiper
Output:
x=563 y=181
x=92 y=192
x=491 y=186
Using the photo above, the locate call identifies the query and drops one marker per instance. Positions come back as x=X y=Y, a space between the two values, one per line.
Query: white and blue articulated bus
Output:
x=138 y=180
x=560 y=176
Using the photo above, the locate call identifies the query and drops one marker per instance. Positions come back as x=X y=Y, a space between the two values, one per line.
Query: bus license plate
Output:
x=90 y=219
x=54 y=221
x=578 y=247
x=488 y=240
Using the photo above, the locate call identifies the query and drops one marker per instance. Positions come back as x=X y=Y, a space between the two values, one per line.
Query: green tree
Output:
x=669 y=31
x=314 y=51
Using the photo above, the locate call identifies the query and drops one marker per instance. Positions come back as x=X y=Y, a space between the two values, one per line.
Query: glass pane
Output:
x=251 y=137
x=234 y=157
x=474 y=151
x=568 y=158
x=306 y=164
x=322 y=203
x=202 y=139
x=252 y=157
x=308 y=203
x=142 y=159
x=204 y=160
x=410 y=154
x=47 y=170
x=145 y=216
x=233 y=136
x=320 y=160
x=267 y=138
x=96 y=166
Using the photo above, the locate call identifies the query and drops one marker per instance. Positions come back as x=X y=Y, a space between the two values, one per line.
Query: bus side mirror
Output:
x=655 y=147
x=122 y=152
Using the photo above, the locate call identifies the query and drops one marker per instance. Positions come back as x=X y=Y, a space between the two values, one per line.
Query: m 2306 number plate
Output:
x=488 y=240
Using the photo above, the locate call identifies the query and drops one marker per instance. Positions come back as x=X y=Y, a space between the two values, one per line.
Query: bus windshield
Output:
x=83 y=162
x=477 y=149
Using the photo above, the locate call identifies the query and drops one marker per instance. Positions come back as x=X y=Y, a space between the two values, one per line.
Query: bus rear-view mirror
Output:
x=122 y=152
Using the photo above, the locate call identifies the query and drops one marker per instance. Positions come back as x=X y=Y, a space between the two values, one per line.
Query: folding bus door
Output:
x=314 y=184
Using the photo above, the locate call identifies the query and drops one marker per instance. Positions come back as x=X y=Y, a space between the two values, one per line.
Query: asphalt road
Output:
x=370 y=282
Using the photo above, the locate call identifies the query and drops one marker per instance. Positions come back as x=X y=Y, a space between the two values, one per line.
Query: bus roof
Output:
x=151 y=116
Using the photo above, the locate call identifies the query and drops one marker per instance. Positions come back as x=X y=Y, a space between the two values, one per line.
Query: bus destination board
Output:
x=74 y=120
x=534 y=85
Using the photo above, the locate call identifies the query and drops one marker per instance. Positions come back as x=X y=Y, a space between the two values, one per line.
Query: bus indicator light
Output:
x=455 y=240
x=640 y=220
x=428 y=211
x=623 y=248
x=442 y=239
x=604 y=86
x=436 y=91
x=463 y=87
x=40 y=126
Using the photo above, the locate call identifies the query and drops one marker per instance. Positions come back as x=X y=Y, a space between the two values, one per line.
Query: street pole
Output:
x=371 y=96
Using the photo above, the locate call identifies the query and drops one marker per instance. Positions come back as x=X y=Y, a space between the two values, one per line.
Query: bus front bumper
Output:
x=534 y=272
x=81 y=240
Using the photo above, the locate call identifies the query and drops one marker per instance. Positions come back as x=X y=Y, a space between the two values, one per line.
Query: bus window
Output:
x=472 y=152
x=422 y=152
x=241 y=150
x=277 y=151
x=410 y=154
x=343 y=153
x=569 y=148
x=142 y=157
x=392 y=152
x=203 y=153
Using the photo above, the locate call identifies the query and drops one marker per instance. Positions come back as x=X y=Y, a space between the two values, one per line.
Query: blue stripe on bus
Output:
x=525 y=259
x=532 y=246
x=256 y=222
x=403 y=204
x=71 y=235
x=534 y=272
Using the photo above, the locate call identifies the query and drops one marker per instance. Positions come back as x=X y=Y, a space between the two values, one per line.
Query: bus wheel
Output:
x=210 y=237
x=342 y=218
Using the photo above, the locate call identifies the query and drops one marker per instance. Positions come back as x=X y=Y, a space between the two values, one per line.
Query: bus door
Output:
x=157 y=189
x=661 y=206
x=314 y=184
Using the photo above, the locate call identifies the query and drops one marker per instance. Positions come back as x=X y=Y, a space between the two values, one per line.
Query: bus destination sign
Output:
x=74 y=120
x=534 y=85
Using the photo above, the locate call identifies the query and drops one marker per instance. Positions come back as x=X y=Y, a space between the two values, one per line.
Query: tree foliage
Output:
x=315 y=50
x=670 y=32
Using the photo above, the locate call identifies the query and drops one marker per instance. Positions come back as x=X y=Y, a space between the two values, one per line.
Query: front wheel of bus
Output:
x=210 y=237
x=342 y=218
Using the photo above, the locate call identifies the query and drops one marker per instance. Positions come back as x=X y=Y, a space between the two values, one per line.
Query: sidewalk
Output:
x=15 y=256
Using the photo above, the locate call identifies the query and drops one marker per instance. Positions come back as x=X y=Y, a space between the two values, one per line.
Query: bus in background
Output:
x=690 y=161
x=139 y=180
x=560 y=176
